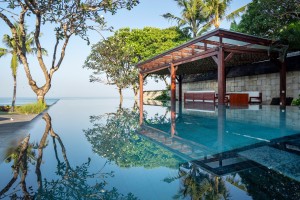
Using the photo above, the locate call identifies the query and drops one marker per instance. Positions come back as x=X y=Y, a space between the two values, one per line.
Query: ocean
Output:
x=25 y=100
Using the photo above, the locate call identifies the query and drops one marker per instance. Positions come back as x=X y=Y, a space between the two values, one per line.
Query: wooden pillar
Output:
x=141 y=78
x=283 y=83
x=221 y=131
x=173 y=121
x=221 y=77
x=180 y=88
x=173 y=85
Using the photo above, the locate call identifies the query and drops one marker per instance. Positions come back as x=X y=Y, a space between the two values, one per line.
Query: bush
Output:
x=34 y=108
x=5 y=108
x=296 y=102
x=164 y=96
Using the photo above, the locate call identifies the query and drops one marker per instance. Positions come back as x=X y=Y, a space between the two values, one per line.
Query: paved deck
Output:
x=12 y=130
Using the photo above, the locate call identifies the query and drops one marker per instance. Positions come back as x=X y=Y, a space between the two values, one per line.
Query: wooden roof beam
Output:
x=244 y=38
x=244 y=50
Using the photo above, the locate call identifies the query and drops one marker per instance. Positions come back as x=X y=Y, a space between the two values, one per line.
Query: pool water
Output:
x=97 y=149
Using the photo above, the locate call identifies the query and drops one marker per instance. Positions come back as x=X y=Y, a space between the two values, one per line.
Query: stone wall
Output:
x=268 y=84
x=261 y=76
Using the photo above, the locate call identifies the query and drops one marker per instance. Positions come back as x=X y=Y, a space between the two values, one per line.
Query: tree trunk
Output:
x=12 y=109
x=41 y=92
x=41 y=97
x=121 y=95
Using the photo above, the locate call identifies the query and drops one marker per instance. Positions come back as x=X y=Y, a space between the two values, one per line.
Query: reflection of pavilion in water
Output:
x=226 y=140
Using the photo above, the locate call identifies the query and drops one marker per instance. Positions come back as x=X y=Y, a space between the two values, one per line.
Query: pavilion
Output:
x=219 y=49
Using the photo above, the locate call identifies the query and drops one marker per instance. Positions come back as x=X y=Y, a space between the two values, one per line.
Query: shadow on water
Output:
x=71 y=182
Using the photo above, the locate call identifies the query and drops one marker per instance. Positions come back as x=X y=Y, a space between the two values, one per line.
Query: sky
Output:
x=71 y=80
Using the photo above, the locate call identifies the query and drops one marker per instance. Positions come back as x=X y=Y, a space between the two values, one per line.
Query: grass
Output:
x=33 y=108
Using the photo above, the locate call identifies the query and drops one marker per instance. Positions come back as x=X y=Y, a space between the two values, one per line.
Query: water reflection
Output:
x=196 y=184
x=251 y=152
x=70 y=182
x=114 y=137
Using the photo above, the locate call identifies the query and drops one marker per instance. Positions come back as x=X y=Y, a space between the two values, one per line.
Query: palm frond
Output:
x=3 y=52
x=237 y=12
x=7 y=41
x=169 y=17
x=33 y=50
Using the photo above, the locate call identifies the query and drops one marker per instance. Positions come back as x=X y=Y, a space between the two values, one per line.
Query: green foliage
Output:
x=296 y=102
x=34 y=108
x=11 y=47
x=149 y=41
x=115 y=57
x=197 y=184
x=164 y=96
x=194 y=15
x=116 y=139
x=197 y=16
x=217 y=9
x=5 y=108
x=272 y=19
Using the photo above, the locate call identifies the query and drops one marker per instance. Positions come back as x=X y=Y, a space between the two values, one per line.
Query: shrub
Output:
x=296 y=102
x=5 y=108
x=34 y=108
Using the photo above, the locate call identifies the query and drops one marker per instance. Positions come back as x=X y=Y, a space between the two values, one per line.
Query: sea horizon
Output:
x=49 y=100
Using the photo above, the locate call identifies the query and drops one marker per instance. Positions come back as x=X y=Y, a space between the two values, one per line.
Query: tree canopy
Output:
x=115 y=56
x=272 y=19
x=197 y=16
x=194 y=14
x=117 y=140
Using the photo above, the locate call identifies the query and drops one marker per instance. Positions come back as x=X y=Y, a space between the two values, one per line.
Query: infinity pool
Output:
x=97 y=149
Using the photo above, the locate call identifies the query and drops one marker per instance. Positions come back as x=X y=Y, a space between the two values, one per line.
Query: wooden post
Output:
x=283 y=83
x=221 y=130
x=141 y=77
x=180 y=88
x=221 y=77
x=173 y=121
x=173 y=85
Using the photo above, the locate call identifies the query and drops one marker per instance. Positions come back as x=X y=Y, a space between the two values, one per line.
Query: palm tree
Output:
x=217 y=9
x=10 y=43
x=193 y=15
